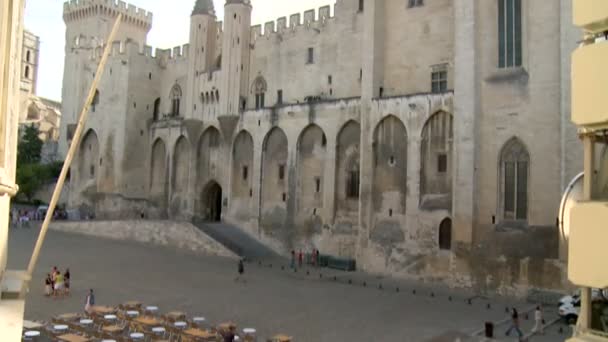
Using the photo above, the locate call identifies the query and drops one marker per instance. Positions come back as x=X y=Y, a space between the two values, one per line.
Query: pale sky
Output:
x=170 y=28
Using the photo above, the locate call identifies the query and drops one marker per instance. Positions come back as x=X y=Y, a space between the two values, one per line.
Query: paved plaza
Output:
x=305 y=306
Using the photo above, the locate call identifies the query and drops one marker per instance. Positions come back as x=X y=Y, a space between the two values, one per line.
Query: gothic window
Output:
x=509 y=33
x=352 y=182
x=445 y=234
x=176 y=97
x=415 y=3
x=514 y=164
x=259 y=89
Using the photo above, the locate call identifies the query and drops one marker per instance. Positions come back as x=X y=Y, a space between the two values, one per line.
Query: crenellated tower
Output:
x=235 y=56
x=203 y=30
x=88 y=24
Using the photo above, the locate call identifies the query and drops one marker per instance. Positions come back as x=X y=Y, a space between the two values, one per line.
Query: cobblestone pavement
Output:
x=272 y=300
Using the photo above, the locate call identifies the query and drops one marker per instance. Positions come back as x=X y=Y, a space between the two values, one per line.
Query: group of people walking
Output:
x=313 y=258
x=539 y=323
x=57 y=284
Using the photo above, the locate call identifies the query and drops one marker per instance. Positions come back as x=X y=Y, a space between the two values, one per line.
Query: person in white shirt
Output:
x=539 y=321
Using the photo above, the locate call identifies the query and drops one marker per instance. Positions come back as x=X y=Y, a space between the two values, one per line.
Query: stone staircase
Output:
x=236 y=240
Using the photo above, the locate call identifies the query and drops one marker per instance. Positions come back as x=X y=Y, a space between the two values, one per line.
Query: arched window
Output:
x=156 y=113
x=445 y=234
x=514 y=166
x=259 y=89
x=176 y=97
x=27 y=72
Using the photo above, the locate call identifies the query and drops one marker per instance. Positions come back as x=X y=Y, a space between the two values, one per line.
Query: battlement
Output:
x=129 y=47
x=281 y=25
x=78 y=9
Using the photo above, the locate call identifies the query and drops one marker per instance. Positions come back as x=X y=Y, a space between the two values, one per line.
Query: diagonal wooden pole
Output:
x=75 y=143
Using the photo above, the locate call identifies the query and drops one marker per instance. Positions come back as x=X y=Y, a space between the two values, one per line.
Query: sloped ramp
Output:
x=236 y=240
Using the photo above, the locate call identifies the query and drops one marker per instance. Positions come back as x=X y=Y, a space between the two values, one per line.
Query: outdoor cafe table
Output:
x=147 y=321
x=103 y=309
x=73 y=338
x=176 y=315
x=132 y=304
x=69 y=316
x=200 y=333
x=112 y=329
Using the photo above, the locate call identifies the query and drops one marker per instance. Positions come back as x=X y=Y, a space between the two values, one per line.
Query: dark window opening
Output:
x=27 y=58
x=381 y=91
x=92 y=170
x=439 y=81
x=281 y=172
x=244 y=104
x=311 y=56
x=442 y=163
x=134 y=104
x=100 y=161
x=390 y=213
x=329 y=79
x=259 y=101
x=250 y=192
x=360 y=74
x=352 y=184
x=331 y=91
x=155 y=114
x=323 y=141
x=509 y=33
x=415 y=3
x=284 y=197
x=27 y=72
x=95 y=100
x=280 y=96
x=361 y=5
x=245 y=172
x=391 y=161
x=445 y=234
x=317 y=185
x=150 y=76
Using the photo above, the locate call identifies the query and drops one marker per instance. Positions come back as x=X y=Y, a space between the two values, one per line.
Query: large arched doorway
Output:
x=212 y=202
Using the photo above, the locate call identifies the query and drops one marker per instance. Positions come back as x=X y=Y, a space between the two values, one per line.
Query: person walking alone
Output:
x=300 y=259
x=241 y=270
x=514 y=324
x=89 y=302
x=539 y=321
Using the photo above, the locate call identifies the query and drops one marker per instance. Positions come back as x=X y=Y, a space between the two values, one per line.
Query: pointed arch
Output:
x=312 y=144
x=390 y=166
x=89 y=157
x=181 y=165
x=436 y=153
x=514 y=167
x=274 y=167
x=242 y=171
x=208 y=156
x=158 y=173
x=348 y=167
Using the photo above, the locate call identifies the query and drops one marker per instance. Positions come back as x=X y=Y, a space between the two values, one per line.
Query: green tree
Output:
x=29 y=147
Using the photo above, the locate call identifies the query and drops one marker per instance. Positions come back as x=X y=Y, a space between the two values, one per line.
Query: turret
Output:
x=235 y=56
x=203 y=30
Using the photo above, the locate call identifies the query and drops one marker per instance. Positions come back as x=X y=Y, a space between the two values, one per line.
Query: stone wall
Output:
x=177 y=235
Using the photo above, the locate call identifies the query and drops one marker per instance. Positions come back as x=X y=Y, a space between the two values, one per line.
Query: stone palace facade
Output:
x=425 y=138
